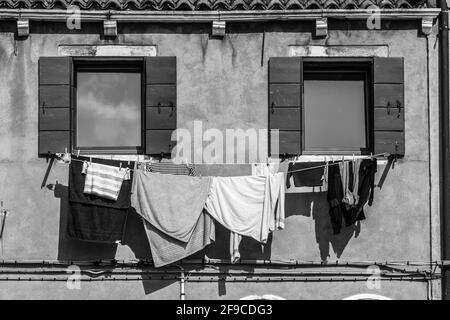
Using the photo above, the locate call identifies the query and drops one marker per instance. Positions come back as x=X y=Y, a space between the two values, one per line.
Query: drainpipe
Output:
x=445 y=145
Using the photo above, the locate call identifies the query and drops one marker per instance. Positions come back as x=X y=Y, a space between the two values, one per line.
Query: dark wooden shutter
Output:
x=160 y=104
x=55 y=85
x=285 y=83
x=389 y=115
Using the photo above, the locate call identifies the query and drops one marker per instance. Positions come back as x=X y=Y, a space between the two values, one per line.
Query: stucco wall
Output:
x=222 y=83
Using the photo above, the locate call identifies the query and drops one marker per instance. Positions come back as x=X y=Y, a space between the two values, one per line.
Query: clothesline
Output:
x=384 y=155
x=292 y=171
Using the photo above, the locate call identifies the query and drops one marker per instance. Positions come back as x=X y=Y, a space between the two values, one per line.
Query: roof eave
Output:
x=208 y=16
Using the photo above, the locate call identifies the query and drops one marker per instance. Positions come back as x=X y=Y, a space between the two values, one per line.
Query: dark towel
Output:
x=307 y=178
x=91 y=218
x=76 y=185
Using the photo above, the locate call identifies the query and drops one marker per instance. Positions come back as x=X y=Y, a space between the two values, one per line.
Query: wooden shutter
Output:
x=55 y=87
x=285 y=83
x=389 y=115
x=160 y=104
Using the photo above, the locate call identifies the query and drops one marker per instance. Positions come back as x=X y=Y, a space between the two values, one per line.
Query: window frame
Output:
x=355 y=65
x=110 y=64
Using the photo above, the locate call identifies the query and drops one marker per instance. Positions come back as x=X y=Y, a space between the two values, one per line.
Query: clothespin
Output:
x=90 y=160
x=120 y=166
x=78 y=153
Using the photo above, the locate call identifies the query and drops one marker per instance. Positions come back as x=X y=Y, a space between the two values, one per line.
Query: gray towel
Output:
x=170 y=203
x=166 y=249
x=172 y=209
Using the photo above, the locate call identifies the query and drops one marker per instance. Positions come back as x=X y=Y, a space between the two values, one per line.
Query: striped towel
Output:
x=168 y=168
x=103 y=180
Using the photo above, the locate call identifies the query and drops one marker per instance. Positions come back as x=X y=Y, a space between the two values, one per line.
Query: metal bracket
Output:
x=218 y=29
x=23 y=27
x=110 y=28
x=427 y=25
x=321 y=27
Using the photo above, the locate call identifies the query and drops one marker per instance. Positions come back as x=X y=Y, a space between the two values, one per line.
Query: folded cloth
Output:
x=246 y=205
x=306 y=178
x=170 y=203
x=103 y=180
x=166 y=250
x=168 y=167
x=92 y=218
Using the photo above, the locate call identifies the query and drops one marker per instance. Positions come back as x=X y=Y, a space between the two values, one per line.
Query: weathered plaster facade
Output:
x=223 y=84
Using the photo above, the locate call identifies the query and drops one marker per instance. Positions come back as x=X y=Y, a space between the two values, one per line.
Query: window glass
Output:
x=334 y=115
x=108 y=109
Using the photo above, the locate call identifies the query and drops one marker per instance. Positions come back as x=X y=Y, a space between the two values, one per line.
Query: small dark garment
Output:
x=338 y=209
x=307 y=178
x=92 y=218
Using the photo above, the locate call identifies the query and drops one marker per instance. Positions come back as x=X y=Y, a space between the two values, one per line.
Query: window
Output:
x=336 y=107
x=108 y=107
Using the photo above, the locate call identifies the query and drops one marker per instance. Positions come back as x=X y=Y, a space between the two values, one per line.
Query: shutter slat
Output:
x=392 y=121
x=161 y=70
x=54 y=70
x=384 y=93
x=388 y=70
x=160 y=122
x=158 y=141
x=285 y=101
x=54 y=119
x=55 y=82
x=54 y=96
x=161 y=94
x=53 y=141
x=285 y=70
x=161 y=118
x=285 y=119
x=386 y=141
x=289 y=142
x=284 y=95
x=389 y=92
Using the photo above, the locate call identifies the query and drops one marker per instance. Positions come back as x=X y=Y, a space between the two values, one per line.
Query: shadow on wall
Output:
x=315 y=205
x=134 y=237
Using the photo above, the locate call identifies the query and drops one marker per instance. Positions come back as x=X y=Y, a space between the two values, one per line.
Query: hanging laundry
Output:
x=356 y=164
x=103 y=180
x=170 y=203
x=248 y=206
x=325 y=178
x=306 y=178
x=335 y=196
x=346 y=171
x=366 y=186
x=93 y=218
x=166 y=249
x=364 y=183
x=172 y=209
